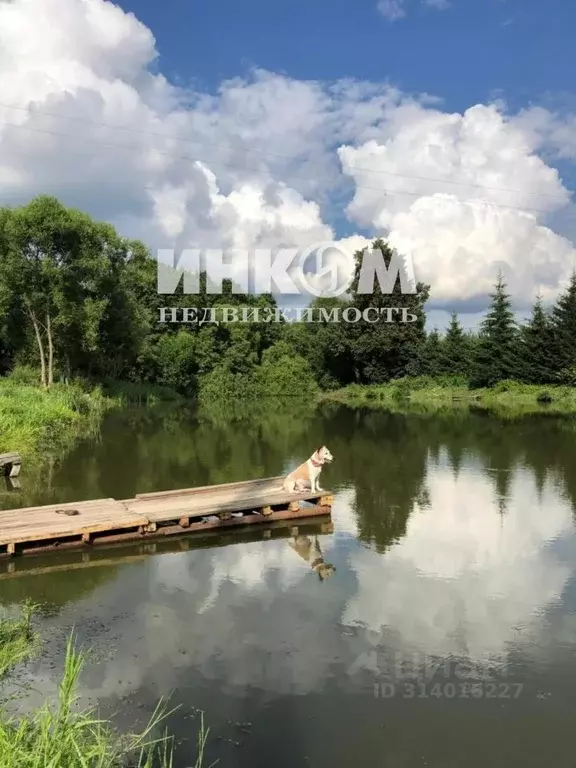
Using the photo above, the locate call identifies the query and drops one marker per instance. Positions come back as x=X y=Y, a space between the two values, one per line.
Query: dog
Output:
x=310 y=552
x=308 y=472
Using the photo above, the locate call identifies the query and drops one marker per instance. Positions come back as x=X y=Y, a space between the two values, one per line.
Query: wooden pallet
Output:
x=163 y=513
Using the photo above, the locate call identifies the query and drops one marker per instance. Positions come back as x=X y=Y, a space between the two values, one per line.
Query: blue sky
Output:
x=467 y=53
x=446 y=126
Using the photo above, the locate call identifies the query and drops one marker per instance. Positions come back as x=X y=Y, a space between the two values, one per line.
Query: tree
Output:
x=431 y=354
x=563 y=350
x=498 y=352
x=67 y=272
x=537 y=338
x=324 y=344
x=385 y=346
x=456 y=349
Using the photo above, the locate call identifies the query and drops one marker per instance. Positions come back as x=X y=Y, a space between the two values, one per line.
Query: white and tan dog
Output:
x=308 y=473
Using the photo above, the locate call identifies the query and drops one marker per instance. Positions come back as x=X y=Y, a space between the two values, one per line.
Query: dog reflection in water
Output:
x=309 y=550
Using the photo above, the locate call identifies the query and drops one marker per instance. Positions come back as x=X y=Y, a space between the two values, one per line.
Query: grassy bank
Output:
x=59 y=734
x=424 y=393
x=33 y=418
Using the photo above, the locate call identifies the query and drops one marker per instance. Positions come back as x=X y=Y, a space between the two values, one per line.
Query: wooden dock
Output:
x=147 y=515
x=10 y=464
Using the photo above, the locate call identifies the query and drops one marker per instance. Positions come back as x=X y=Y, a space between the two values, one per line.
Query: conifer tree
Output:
x=564 y=330
x=431 y=354
x=456 y=349
x=497 y=355
x=537 y=347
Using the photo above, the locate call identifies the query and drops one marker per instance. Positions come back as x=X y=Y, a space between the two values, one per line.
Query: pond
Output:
x=446 y=635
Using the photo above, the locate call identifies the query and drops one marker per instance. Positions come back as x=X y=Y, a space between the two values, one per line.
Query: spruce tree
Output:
x=564 y=330
x=431 y=354
x=537 y=347
x=455 y=349
x=497 y=354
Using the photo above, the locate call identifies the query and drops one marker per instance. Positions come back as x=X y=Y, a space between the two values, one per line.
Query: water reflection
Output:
x=453 y=540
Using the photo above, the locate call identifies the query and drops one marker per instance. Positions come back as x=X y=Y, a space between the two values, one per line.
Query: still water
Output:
x=446 y=636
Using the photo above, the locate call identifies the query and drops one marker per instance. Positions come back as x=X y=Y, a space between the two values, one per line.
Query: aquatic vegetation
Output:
x=17 y=639
x=507 y=398
x=60 y=734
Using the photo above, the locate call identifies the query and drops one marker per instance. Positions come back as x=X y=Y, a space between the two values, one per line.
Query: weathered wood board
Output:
x=44 y=523
x=10 y=464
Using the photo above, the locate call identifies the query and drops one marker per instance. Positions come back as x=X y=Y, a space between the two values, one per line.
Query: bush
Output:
x=402 y=389
x=286 y=377
x=221 y=384
x=507 y=385
x=25 y=374
x=567 y=376
x=544 y=397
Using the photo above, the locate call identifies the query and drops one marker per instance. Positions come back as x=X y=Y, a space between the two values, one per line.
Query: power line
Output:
x=171 y=137
x=386 y=192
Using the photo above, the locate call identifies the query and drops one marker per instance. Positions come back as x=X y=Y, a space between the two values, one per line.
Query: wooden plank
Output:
x=10 y=464
x=249 y=520
x=249 y=485
x=185 y=505
x=10 y=458
x=43 y=523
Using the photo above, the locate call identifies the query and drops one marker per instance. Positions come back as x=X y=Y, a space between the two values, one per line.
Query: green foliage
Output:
x=498 y=353
x=563 y=322
x=60 y=734
x=176 y=361
x=221 y=384
x=17 y=639
x=538 y=342
x=384 y=350
x=80 y=302
x=430 y=362
x=457 y=350
x=567 y=376
x=284 y=374
x=32 y=418
x=280 y=374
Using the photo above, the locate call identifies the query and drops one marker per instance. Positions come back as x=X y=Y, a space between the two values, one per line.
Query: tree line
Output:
x=77 y=300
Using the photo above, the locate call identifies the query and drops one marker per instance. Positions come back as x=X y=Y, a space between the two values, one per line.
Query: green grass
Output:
x=61 y=735
x=17 y=639
x=136 y=393
x=428 y=394
x=32 y=418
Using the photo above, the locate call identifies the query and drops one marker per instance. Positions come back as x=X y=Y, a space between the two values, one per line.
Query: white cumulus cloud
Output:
x=270 y=161
x=466 y=195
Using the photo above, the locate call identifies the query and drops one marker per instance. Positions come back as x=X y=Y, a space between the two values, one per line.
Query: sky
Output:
x=447 y=127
